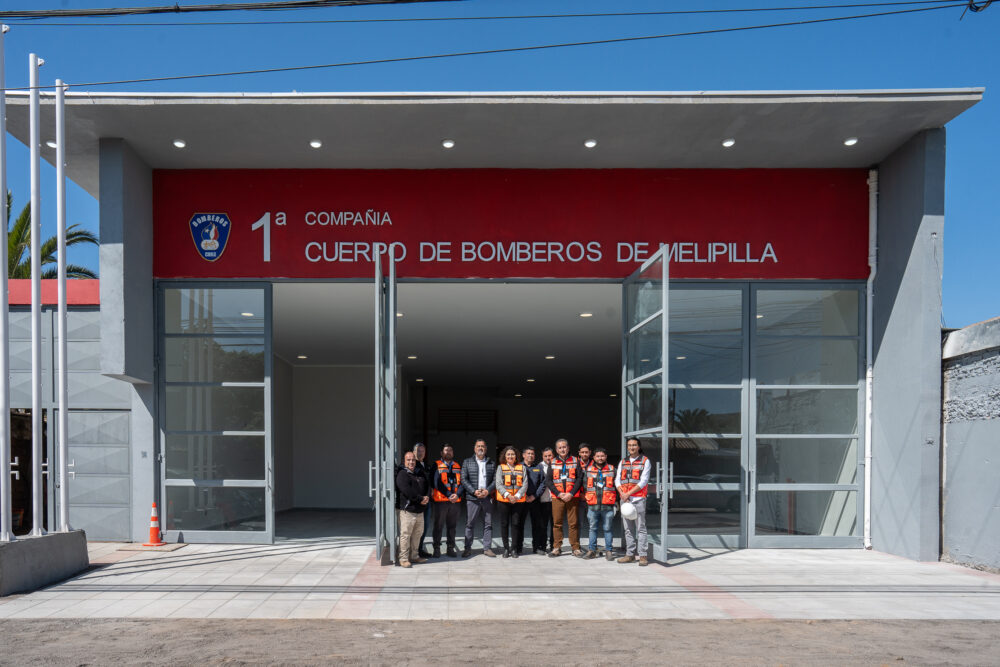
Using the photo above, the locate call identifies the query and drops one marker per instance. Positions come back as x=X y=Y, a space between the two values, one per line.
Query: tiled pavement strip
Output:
x=340 y=579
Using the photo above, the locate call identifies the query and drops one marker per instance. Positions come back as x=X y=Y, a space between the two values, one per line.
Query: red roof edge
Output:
x=79 y=292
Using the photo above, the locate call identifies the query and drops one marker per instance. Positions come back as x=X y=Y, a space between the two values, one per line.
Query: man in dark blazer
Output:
x=478 y=479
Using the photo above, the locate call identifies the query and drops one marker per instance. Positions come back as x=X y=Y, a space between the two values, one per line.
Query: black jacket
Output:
x=536 y=479
x=411 y=487
x=470 y=476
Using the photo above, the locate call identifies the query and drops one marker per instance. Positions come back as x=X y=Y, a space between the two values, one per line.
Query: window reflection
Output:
x=807 y=312
x=830 y=513
x=705 y=411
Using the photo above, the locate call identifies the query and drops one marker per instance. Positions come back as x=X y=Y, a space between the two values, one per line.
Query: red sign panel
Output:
x=498 y=223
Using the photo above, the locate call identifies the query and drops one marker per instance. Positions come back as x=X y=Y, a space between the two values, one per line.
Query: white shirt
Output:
x=482 y=472
x=643 y=479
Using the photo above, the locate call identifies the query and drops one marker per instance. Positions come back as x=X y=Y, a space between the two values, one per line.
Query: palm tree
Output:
x=19 y=245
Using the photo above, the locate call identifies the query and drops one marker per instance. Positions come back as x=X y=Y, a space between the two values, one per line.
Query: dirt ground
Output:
x=292 y=642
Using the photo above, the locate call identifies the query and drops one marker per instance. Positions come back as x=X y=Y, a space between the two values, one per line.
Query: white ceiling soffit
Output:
x=781 y=129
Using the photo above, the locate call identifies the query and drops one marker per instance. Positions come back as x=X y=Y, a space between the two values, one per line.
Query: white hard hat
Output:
x=628 y=511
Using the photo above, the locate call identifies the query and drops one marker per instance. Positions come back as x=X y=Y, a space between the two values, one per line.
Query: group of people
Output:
x=554 y=492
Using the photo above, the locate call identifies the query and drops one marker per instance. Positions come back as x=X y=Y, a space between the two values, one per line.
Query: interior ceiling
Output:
x=539 y=130
x=484 y=335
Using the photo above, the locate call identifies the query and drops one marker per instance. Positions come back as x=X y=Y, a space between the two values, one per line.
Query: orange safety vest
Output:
x=564 y=475
x=629 y=474
x=600 y=480
x=511 y=479
x=451 y=480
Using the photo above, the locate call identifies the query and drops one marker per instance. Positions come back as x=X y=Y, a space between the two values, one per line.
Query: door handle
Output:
x=371 y=479
x=659 y=481
x=670 y=478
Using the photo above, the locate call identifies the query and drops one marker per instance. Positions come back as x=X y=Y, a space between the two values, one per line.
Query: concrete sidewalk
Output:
x=341 y=579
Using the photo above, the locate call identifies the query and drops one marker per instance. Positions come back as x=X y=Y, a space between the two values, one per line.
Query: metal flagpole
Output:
x=6 y=523
x=34 y=62
x=61 y=431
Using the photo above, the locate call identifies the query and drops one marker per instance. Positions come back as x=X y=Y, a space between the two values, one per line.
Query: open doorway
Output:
x=513 y=363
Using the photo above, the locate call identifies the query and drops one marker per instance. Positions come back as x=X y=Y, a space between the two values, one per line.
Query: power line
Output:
x=185 y=9
x=514 y=49
x=37 y=24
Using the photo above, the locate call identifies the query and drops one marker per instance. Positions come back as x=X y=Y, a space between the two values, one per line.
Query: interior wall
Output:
x=283 y=445
x=333 y=417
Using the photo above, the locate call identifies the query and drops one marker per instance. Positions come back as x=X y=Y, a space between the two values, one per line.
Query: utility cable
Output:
x=425 y=19
x=513 y=49
x=184 y=9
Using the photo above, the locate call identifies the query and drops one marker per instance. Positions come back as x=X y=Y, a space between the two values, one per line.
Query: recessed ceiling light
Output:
x=517 y=395
x=531 y=379
x=644 y=360
x=316 y=143
x=760 y=317
x=850 y=141
x=586 y=314
x=729 y=143
x=420 y=379
x=590 y=143
x=302 y=356
x=399 y=314
x=448 y=143
x=680 y=358
x=179 y=143
x=51 y=144
x=412 y=356
x=550 y=356
x=247 y=314
x=613 y=395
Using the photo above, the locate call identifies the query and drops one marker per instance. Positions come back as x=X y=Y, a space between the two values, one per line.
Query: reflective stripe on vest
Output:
x=451 y=479
x=629 y=474
x=511 y=480
x=564 y=474
x=600 y=481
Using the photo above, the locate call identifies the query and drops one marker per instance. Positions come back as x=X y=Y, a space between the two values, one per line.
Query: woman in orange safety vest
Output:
x=512 y=488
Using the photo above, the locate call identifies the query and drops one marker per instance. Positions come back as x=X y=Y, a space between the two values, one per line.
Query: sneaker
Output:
x=643 y=561
x=437 y=552
x=590 y=555
x=506 y=553
x=452 y=552
x=610 y=555
x=466 y=552
x=405 y=563
x=627 y=559
x=419 y=560
x=555 y=553
x=578 y=553
x=489 y=552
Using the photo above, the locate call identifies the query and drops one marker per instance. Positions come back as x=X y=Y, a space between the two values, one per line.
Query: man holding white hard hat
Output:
x=632 y=481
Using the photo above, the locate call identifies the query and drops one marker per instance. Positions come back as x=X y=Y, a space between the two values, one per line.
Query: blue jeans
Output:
x=605 y=513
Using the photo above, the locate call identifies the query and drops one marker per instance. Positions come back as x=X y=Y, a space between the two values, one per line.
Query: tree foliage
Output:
x=19 y=246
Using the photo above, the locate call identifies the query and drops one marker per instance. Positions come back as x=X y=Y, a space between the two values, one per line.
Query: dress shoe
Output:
x=515 y=555
x=452 y=552
x=419 y=560
x=643 y=561
x=626 y=559
x=489 y=552
x=466 y=552
x=506 y=553
x=437 y=552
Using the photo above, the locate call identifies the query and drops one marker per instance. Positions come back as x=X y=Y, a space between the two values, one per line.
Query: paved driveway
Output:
x=341 y=579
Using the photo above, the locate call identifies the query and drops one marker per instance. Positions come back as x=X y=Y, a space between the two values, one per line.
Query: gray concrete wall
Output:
x=970 y=524
x=907 y=361
x=128 y=336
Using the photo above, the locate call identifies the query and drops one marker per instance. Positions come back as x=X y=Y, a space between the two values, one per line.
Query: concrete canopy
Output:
x=541 y=130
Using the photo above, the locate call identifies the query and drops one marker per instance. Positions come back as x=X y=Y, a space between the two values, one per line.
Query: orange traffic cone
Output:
x=154 y=530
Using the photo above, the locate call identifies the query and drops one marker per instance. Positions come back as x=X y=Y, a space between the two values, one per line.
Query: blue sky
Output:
x=923 y=50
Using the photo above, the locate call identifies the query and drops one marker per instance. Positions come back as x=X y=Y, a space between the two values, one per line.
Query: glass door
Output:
x=644 y=381
x=214 y=376
x=386 y=430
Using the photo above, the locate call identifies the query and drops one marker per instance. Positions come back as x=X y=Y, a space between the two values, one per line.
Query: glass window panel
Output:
x=215 y=457
x=644 y=403
x=706 y=460
x=807 y=410
x=830 y=513
x=215 y=508
x=214 y=310
x=644 y=296
x=202 y=359
x=706 y=311
x=808 y=311
x=806 y=361
x=704 y=512
x=215 y=408
x=705 y=411
x=645 y=349
x=807 y=461
x=705 y=359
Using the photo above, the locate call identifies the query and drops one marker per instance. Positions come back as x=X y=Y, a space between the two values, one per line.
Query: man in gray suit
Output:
x=478 y=473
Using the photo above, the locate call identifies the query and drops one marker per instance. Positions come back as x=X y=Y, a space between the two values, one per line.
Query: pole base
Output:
x=7 y=536
x=37 y=532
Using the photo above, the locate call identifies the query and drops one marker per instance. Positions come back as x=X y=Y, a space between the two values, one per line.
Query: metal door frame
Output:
x=386 y=417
